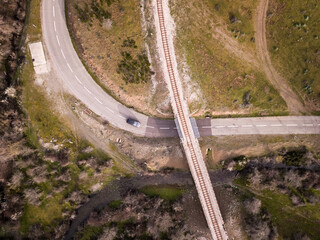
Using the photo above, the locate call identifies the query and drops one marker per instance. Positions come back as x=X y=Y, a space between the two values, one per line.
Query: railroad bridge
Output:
x=186 y=131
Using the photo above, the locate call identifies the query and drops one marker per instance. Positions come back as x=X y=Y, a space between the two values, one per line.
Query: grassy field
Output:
x=115 y=204
x=33 y=27
x=238 y=16
x=89 y=232
x=229 y=84
x=114 y=50
x=48 y=213
x=288 y=219
x=43 y=120
x=293 y=33
x=169 y=193
x=45 y=123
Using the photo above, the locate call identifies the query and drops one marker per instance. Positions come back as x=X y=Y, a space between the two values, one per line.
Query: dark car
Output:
x=133 y=122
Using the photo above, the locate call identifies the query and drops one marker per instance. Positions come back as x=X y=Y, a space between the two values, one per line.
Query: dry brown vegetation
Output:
x=115 y=50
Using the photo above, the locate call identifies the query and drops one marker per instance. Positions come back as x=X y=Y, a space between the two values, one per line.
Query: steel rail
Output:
x=184 y=127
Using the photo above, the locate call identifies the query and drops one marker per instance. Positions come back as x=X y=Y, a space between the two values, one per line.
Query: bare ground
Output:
x=225 y=147
x=291 y=98
x=233 y=46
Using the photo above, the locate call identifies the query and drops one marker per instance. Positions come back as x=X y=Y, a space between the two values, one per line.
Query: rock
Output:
x=231 y=166
x=95 y=187
x=296 y=200
x=88 y=150
x=11 y=92
x=107 y=24
x=32 y=196
x=16 y=179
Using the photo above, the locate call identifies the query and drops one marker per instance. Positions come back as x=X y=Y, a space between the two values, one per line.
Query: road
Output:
x=78 y=82
x=260 y=125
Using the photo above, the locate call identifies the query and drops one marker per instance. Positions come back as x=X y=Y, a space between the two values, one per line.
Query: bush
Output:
x=89 y=232
x=85 y=14
x=115 y=204
x=295 y=157
x=99 y=11
x=246 y=98
x=129 y=43
x=134 y=70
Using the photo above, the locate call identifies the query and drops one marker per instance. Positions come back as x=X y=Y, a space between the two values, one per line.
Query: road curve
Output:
x=281 y=84
x=78 y=82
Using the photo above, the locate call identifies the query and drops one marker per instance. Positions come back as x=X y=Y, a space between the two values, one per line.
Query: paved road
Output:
x=263 y=125
x=79 y=83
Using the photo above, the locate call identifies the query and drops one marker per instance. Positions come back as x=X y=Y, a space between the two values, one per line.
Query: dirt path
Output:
x=294 y=104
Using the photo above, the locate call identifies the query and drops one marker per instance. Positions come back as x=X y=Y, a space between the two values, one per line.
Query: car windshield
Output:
x=133 y=122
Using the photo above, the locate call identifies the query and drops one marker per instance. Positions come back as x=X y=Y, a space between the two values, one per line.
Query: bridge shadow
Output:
x=206 y=122
x=161 y=128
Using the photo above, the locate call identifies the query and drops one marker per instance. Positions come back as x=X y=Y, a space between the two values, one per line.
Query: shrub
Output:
x=246 y=98
x=129 y=43
x=134 y=70
x=99 y=11
x=84 y=14
x=295 y=157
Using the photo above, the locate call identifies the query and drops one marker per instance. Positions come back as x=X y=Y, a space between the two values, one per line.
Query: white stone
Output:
x=38 y=58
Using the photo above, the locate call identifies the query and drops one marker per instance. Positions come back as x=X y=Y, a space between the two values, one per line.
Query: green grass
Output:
x=33 y=21
x=115 y=204
x=89 y=233
x=32 y=138
x=288 y=219
x=45 y=123
x=223 y=78
x=48 y=214
x=52 y=204
x=295 y=51
x=98 y=154
x=243 y=10
x=168 y=193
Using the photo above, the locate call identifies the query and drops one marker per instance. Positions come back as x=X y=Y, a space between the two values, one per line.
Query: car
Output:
x=133 y=122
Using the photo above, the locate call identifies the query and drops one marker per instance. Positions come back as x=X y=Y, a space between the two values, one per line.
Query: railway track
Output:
x=188 y=134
